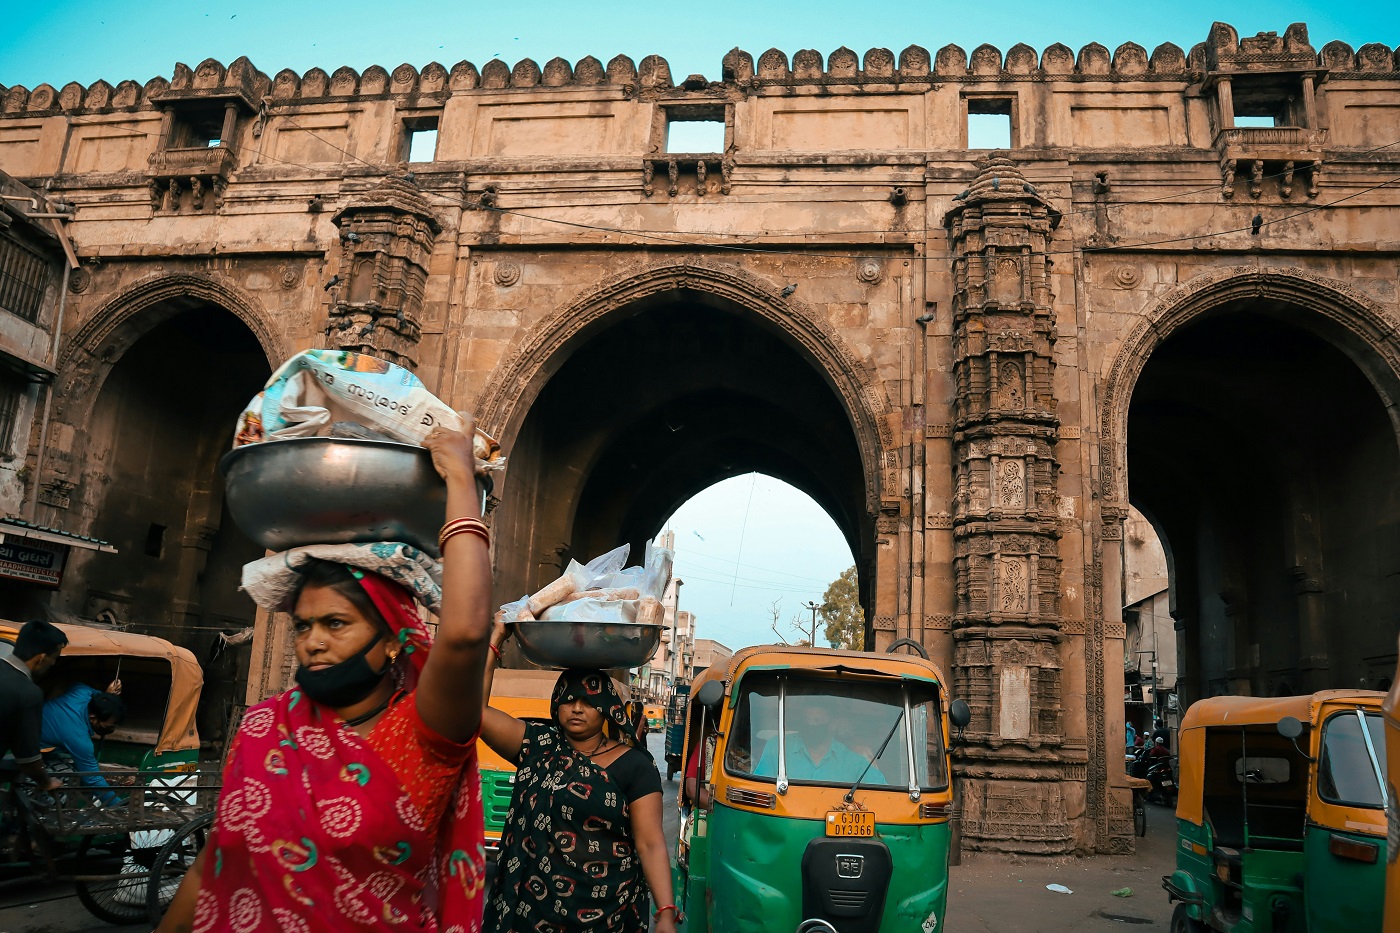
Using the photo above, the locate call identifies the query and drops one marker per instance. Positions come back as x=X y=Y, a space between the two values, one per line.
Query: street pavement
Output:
x=986 y=894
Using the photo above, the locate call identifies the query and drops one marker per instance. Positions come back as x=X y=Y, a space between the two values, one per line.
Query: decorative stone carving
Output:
x=869 y=271
x=506 y=274
x=386 y=237
x=1006 y=623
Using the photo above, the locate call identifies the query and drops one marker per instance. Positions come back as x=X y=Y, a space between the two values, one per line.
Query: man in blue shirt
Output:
x=71 y=719
x=812 y=753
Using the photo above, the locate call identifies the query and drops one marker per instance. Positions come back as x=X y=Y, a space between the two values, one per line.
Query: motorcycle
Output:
x=1158 y=770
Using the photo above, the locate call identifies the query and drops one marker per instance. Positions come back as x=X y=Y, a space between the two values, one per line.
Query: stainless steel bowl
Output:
x=332 y=490
x=588 y=644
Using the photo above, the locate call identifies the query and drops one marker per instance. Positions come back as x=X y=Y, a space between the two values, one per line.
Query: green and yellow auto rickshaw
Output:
x=1281 y=815
x=817 y=794
x=1390 y=712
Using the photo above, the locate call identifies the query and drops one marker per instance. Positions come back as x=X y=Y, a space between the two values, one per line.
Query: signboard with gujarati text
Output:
x=32 y=561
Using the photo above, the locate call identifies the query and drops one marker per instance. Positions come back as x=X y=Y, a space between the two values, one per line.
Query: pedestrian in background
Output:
x=582 y=842
x=37 y=648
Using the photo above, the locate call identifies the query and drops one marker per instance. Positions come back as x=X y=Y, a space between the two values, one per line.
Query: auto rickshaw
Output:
x=656 y=717
x=1280 y=818
x=1391 y=715
x=524 y=694
x=823 y=795
x=117 y=855
x=161 y=683
x=675 y=728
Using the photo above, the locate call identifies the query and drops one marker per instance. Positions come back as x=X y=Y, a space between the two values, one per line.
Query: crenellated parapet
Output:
x=739 y=69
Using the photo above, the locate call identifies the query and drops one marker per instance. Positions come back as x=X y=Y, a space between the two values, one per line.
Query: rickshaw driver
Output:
x=71 y=719
x=813 y=754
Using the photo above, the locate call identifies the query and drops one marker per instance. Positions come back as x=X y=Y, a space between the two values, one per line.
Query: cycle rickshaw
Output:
x=125 y=859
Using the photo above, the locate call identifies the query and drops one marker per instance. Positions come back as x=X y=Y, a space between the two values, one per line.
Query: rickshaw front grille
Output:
x=848 y=900
x=749 y=798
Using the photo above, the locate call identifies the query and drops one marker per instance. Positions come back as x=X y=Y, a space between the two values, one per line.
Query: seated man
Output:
x=71 y=719
x=812 y=753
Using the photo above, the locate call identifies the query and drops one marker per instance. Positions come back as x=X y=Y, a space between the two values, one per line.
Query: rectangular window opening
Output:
x=155 y=540
x=420 y=139
x=10 y=392
x=22 y=277
x=989 y=123
x=697 y=136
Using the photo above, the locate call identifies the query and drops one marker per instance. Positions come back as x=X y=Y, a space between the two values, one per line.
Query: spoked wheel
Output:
x=171 y=864
x=127 y=860
x=1139 y=815
x=1183 y=923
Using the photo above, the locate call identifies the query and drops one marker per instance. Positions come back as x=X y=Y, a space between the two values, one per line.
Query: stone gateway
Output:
x=1172 y=285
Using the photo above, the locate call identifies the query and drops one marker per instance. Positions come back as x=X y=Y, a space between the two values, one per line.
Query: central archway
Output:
x=622 y=406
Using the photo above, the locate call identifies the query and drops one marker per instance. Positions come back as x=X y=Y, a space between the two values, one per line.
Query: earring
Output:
x=393 y=656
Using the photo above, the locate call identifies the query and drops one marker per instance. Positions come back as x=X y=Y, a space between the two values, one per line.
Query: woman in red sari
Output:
x=352 y=801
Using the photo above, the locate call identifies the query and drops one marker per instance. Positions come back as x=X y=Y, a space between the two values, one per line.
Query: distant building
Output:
x=1149 y=647
x=709 y=653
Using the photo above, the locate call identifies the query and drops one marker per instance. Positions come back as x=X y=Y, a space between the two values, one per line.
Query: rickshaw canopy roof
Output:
x=820 y=660
x=1249 y=711
x=178 y=731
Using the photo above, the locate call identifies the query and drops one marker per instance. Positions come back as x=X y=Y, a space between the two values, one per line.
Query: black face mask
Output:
x=343 y=684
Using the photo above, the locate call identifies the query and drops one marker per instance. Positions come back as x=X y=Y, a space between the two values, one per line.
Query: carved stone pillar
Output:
x=1006 y=566
x=386 y=239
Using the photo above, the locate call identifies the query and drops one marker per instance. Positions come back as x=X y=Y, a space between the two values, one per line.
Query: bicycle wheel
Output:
x=171 y=864
x=120 y=897
x=1139 y=815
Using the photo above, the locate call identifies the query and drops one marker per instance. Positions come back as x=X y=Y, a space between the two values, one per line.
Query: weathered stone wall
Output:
x=552 y=211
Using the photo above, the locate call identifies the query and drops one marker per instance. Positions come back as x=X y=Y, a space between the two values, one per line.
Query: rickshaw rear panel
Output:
x=1272 y=830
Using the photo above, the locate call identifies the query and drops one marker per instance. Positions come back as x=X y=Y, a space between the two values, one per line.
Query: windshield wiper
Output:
x=850 y=794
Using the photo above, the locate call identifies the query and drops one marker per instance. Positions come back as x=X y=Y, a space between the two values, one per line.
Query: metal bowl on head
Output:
x=588 y=644
x=334 y=490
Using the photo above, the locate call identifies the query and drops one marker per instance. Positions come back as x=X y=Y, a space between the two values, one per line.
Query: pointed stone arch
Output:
x=89 y=354
x=512 y=389
x=1356 y=323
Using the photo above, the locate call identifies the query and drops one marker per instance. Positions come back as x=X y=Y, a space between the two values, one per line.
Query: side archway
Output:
x=1340 y=314
x=87 y=356
x=1254 y=413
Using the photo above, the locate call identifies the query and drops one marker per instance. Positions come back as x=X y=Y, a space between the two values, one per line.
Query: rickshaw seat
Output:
x=1226 y=818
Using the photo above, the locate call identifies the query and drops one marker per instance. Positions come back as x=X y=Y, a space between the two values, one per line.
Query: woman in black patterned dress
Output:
x=582 y=842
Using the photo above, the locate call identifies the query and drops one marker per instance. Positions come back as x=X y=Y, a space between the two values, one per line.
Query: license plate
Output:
x=1168 y=784
x=850 y=823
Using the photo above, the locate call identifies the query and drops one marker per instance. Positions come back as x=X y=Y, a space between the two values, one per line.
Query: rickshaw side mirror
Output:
x=1290 y=728
x=710 y=695
x=959 y=714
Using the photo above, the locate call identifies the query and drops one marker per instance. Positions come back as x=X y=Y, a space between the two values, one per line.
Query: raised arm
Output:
x=452 y=677
x=500 y=730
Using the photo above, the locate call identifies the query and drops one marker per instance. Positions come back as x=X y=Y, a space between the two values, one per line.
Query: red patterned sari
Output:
x=322 y=830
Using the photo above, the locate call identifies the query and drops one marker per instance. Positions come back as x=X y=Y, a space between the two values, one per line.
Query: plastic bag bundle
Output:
x=603 y=590
x=340 y=393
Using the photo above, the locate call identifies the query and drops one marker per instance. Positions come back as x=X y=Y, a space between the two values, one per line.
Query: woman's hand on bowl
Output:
x=452 y=452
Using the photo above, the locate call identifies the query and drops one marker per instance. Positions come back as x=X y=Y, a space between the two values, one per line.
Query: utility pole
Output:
x=814 y=607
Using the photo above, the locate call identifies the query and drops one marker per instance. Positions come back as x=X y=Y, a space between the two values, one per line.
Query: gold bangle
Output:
x=458 y=525
x=451 y=533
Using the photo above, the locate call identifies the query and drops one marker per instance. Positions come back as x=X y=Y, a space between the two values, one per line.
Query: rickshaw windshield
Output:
x=833 y=732
x=1347 y=769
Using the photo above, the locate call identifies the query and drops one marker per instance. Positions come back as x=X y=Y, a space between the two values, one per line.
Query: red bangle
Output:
x=660 y=910
x=496 y=651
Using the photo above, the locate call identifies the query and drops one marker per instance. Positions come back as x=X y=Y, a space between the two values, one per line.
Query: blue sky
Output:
x=750 y=541
x=58 y=42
